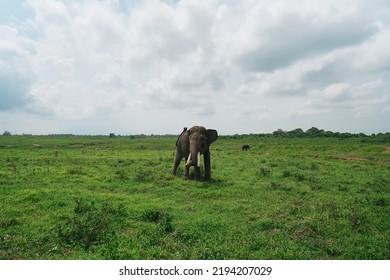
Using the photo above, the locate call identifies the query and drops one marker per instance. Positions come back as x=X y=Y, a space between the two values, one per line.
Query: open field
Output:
x=114 y=198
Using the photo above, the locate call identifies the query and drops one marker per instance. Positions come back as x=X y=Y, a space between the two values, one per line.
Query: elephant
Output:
x=245 y=147
x=192 y=143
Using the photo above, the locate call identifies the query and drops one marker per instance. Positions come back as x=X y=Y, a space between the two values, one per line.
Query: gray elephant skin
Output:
x=192 y=143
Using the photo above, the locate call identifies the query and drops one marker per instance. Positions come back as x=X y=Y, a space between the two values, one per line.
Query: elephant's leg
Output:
x=186 y=171
x=197 y=173
x=207 y=167
x=176 y=163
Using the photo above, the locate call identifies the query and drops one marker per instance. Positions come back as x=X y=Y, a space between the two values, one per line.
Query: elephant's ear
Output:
x=212 y=135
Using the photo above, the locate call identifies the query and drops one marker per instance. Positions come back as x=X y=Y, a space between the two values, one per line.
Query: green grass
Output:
x=114 y=198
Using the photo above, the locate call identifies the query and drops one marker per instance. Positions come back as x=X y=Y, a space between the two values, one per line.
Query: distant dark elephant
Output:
x=245 y=147
x=190 y=145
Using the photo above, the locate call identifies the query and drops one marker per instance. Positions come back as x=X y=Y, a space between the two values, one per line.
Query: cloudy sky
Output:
x=153 y=67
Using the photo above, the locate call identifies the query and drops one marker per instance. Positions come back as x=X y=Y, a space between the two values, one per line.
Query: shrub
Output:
x=90 y=224
x=153 y=216
x=144 y=176
x=264 y=171
x=286 y=173
x=163 y=219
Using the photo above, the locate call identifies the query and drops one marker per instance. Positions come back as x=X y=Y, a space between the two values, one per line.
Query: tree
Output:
x=278 y=132
x=298 y=132
x=7 y=133
x=315 y=132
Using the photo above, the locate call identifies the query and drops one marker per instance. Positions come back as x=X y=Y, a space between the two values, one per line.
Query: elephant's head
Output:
x=200 y=139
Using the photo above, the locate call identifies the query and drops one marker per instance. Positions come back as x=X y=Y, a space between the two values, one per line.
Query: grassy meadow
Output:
x=114 y=198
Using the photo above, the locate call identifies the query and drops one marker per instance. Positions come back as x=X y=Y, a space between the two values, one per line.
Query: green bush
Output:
x=89 y=225
x=163 y=219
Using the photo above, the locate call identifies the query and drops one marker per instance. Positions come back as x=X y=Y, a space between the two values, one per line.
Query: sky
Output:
x=153 y=67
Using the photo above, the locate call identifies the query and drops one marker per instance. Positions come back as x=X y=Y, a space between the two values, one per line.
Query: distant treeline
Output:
x=110 y=135
x=314 y=133
x=296 y=133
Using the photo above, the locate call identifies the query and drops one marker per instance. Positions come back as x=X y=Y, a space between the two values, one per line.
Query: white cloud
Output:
x=16 y=76
x=242 y=66
x=360 y=101
x=336 y=92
